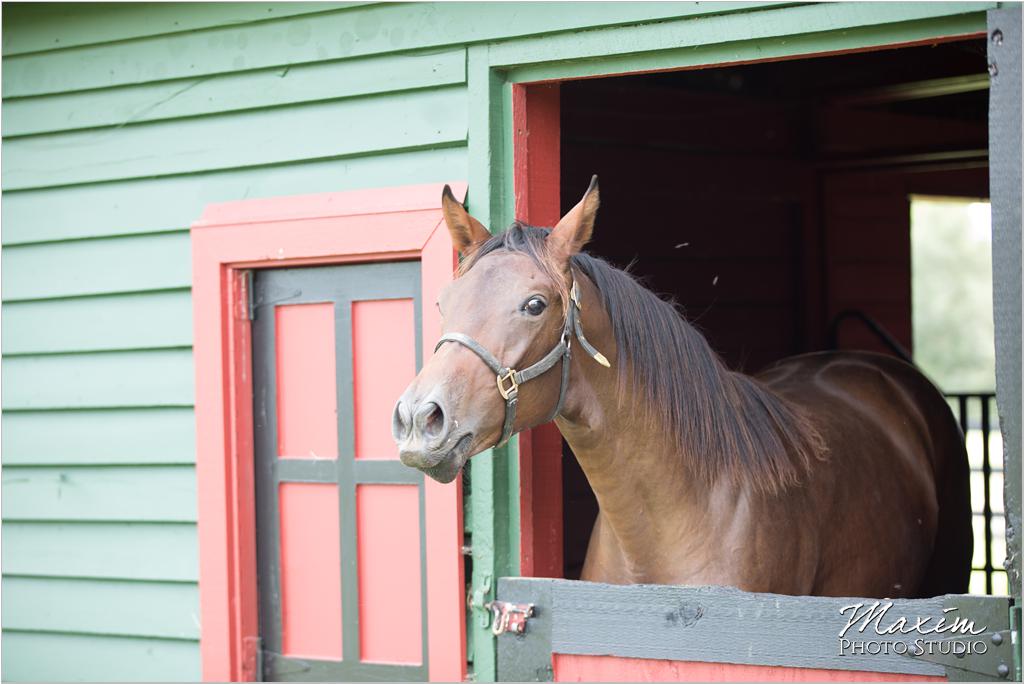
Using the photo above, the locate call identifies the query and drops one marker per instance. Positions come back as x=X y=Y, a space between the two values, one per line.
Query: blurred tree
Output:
x=951 y=281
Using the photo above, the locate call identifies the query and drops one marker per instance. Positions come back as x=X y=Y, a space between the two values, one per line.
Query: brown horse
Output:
x=834 y=473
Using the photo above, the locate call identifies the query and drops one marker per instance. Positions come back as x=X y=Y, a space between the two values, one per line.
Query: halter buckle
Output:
x=509 y=377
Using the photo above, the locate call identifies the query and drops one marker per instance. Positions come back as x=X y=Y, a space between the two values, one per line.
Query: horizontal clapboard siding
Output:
x=46 y=26
x=100 y=493
x=126 y=207
x=273 y=87
x=321 y=130
x=151 y=436
x=102 y=379
x=49 y=656
x=102 y=323
x=168 y=610
x=344 y=34
x=89 y=267
x=101 y=550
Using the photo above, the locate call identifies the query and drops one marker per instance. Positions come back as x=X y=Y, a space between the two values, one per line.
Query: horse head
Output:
x=501 y=366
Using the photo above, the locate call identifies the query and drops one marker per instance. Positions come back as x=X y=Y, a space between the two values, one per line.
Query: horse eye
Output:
x=535 y=306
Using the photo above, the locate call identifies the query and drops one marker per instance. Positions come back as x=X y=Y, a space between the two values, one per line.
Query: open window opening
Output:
x=780 y=205
x=954 y=337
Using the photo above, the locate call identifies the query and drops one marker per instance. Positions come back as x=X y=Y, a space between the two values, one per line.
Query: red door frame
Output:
x=536 y=111
x=228 y=241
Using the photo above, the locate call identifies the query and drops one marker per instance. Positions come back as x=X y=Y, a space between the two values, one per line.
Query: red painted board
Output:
x=593 y=668
x=310 y=570
x=388 y=528
x=384 y=363
x=307 y=406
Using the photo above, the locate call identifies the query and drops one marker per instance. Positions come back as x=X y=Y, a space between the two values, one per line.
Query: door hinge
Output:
x=1015 y=640
x=509 y=617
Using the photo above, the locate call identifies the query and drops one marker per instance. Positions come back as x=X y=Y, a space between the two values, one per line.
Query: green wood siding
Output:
x=126 y=493
x=100 y=266
x=169 y=610
x=150 y=436
x=121 y=122
x=140 y=320
x=273 y=87
x=100 y=380
x=101 y=550
x=127 y=207
x=54 y=656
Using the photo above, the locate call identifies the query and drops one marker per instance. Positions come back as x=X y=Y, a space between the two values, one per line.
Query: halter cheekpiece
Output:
x=509 y=379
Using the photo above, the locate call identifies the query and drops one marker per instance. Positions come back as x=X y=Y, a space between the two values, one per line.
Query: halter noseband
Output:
x=509 y=379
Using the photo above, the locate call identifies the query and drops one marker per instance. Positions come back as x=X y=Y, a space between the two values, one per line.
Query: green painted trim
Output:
x=765 y=48
x=492 y=497
x=486 y=164
x=612 y=51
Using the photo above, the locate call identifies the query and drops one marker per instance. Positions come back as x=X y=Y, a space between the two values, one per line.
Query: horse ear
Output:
x=467 y=233
x=576 y=227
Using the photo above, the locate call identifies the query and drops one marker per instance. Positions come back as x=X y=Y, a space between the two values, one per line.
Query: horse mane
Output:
x=727 y=423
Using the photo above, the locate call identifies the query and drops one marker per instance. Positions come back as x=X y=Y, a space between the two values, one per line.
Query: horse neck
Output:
x=646 y=490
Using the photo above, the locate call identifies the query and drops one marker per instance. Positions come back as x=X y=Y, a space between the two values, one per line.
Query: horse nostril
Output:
x=430 y=420
x=400 y=422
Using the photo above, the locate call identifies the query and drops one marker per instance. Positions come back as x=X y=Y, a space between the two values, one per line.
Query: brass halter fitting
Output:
x=513 y=387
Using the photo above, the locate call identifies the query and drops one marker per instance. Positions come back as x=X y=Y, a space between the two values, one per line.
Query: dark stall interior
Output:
x=769 y=198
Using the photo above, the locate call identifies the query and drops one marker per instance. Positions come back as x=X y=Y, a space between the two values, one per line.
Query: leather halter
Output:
x=509 y=379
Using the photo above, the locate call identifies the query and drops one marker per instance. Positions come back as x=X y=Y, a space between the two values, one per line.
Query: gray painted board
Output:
x=1004 y=52
x=722 y=625
x=527 y=657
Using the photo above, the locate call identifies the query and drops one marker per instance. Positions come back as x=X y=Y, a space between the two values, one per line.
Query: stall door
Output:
x=340 y=521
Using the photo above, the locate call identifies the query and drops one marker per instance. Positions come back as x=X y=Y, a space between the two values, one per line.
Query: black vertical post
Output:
x=986 y=477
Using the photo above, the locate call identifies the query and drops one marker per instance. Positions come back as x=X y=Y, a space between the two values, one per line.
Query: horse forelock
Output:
x=725 y=423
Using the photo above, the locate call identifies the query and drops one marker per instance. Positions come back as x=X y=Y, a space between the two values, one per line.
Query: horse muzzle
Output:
x=427 y=440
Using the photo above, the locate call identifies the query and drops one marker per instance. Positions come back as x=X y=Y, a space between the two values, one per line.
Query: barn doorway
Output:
x=776 y=207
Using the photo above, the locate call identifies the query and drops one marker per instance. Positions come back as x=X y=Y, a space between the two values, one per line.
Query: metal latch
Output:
x=477 y=600
x=509 y=617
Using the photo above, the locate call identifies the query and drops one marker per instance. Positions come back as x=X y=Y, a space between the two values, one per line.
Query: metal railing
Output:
x=975 y=412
